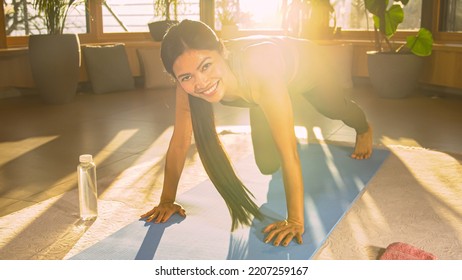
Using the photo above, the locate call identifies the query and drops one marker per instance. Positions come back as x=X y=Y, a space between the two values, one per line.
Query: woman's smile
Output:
x=210 y=90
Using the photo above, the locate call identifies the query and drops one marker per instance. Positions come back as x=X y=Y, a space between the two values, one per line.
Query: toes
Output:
x=361 y=155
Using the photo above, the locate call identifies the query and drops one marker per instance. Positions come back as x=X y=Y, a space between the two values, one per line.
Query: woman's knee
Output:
x=268 y=167
x=266 y=154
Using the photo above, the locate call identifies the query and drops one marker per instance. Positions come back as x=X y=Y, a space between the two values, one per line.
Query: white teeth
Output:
x=210 y=90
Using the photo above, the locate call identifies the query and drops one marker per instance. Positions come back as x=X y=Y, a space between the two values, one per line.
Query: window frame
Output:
x=446 y=37
x=3 y=43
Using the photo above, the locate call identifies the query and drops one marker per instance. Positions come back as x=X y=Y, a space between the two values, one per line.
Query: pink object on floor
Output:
x=403 y=251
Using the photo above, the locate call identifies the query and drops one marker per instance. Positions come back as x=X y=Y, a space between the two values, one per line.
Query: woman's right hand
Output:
x=162 y=212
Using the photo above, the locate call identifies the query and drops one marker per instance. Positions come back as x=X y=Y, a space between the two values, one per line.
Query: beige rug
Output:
x=415 y=198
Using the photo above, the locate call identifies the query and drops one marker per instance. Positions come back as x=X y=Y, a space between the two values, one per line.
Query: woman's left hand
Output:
x=282 y=232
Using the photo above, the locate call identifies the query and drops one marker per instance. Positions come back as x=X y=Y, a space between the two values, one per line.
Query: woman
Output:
x=259 y=73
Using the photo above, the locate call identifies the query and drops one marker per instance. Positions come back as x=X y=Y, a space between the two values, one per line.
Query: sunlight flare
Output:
x=318 y=232
x=409 y=142
x=15 y=224
x=144 y=172
x=440 y=175
x=9 y=154
x=339 y=183
x=121 y=138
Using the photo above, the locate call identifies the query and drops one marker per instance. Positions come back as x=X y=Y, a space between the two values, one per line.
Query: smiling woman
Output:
x=261 y=74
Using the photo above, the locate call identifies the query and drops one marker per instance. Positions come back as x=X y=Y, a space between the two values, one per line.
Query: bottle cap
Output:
x=86 y=158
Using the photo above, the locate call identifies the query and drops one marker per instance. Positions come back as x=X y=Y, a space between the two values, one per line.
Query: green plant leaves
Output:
x=55 y=13
x=376 y=7
x=420 y=44
x=166 y=8
x=393 y=17
x=386 y=21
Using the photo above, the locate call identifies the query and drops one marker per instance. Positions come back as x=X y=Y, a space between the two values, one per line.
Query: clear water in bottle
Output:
x=88 y=193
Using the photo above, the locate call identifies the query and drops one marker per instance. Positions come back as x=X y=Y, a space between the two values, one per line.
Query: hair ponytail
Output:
x=218 y=166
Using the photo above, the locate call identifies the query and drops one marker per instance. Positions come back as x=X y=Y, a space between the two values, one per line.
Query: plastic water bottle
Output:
x=88 y=193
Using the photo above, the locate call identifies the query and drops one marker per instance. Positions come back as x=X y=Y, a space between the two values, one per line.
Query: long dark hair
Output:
x=190 y=34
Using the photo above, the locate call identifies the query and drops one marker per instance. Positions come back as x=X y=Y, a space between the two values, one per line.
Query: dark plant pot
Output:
x=55 y=64
x=394 y=75
x=159 y=28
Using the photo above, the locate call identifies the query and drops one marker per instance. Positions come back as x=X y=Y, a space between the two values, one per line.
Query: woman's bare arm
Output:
x=178 y=147
x=272 y=95
x=175 y=160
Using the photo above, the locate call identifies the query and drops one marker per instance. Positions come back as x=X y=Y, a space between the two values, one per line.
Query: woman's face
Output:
x=201 y=73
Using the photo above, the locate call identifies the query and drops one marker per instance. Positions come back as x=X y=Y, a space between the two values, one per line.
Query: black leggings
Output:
x=333 y=107
x=338 y=108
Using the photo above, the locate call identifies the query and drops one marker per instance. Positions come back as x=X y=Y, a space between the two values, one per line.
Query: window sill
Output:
x=9 y=52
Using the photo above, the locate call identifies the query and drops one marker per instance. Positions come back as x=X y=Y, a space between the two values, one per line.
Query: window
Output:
x=351 y=15
x=261 y=14
x=22 y=19
x=249 y=14
x=134 y=16
x=451 y=15
x=348 y=14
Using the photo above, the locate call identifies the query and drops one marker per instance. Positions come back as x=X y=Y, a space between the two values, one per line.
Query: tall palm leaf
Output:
x=55 y=13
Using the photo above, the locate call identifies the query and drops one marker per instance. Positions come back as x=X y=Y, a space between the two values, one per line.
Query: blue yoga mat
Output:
x=332 y=180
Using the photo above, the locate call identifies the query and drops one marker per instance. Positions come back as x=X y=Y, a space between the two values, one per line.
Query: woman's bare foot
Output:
x=363 y=147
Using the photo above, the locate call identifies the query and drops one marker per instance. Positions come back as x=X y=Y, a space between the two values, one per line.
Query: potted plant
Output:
x=55 y=56
x=227 y=13
x=316 y=24
x=394 y=70
x=168 y=11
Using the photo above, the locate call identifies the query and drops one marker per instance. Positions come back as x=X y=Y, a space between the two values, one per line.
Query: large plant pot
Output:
x=55 y=64
x=159 y=28
x=394 y=75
